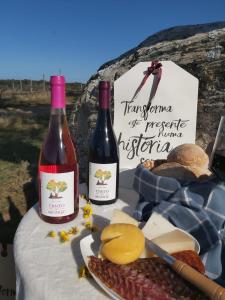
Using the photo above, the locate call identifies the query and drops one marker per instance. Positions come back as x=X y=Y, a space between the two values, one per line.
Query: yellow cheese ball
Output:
x=122 y=243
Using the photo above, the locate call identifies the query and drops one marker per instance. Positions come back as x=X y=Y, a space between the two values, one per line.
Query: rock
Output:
x=199 y=49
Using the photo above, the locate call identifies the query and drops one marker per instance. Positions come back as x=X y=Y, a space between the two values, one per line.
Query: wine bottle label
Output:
x=57 y=194
x=102 y=181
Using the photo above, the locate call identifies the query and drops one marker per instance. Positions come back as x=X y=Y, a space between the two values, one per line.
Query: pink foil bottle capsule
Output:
x=58 y=95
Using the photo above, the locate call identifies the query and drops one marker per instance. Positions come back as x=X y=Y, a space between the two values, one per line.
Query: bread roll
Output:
x=200 y=173
x=181 y=173
x=175 y=170
x=122 y=243
x=189 y=155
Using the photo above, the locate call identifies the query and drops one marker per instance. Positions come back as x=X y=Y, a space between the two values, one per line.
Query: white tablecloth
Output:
x=47 y=269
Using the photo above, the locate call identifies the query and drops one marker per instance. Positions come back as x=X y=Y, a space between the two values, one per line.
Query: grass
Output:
x=22 y=128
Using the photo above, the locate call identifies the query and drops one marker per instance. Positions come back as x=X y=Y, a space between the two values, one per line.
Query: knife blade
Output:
x=206 y=285
x=160 y=252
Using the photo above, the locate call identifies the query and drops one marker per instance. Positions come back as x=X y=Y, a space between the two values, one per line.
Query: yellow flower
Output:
x=62 y=233
x=87 y=211
x=64 y=237
x=52 y=234
x=83 y=196
x=90 y=226
x=83 y=272
x=74 y=230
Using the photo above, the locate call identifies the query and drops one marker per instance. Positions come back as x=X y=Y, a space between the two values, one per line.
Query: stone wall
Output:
x=199 y=49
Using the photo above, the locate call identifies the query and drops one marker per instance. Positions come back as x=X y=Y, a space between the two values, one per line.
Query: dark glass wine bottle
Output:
x=103 y=179
x=58 y=166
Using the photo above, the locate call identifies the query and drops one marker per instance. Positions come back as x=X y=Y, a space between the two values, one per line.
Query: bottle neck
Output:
x=104 y=99
x=104 y=116
x=58 y=111
x=57 y=119
x=104 y=119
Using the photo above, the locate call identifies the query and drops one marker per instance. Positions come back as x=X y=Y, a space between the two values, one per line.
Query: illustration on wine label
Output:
x=56 y=188
x=102 y=175
x=58 y=194
x=102 y=181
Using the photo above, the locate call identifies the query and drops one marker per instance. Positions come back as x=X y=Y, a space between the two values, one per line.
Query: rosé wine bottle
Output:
x=58 y=166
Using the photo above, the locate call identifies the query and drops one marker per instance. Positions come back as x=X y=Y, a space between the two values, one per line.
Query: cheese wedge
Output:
x=175 y=241
x=121 y=217
x=156 y=226
x=167 y=236
x=122 y=243
x=172 y=242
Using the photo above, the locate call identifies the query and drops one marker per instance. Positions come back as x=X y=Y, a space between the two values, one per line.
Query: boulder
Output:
x=199 y=49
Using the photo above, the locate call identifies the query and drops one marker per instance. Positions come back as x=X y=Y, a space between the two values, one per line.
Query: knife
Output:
x=206 y=285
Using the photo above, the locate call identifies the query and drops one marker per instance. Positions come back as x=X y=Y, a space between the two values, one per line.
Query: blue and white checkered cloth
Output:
x=198 y=208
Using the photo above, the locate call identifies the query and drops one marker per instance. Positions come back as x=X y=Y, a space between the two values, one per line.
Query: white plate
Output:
x=89 y=247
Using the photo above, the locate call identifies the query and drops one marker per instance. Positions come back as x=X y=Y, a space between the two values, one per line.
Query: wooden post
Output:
x=43 y=82
x=31 y=86
x=13 y=86
x=21 y=85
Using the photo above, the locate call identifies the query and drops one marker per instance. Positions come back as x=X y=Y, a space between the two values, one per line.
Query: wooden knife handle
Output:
x=206 y=285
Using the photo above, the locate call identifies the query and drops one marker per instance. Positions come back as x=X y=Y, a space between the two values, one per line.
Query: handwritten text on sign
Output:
x=170 y=120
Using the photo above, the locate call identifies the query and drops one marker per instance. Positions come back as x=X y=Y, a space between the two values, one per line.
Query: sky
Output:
x=75 y=37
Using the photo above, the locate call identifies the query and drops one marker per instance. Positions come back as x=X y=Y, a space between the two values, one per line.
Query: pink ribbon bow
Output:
x=156 y=70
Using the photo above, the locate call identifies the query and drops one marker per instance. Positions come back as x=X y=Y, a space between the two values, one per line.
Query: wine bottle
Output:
x=103 y=179
x=58 y=166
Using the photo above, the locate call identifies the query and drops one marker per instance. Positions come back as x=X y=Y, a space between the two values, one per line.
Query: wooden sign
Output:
x=151 y=129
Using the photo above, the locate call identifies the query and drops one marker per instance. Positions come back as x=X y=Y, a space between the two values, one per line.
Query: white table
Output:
x=47 y=269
